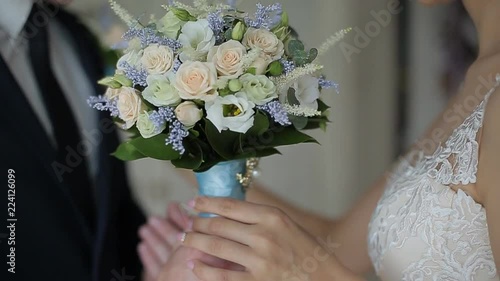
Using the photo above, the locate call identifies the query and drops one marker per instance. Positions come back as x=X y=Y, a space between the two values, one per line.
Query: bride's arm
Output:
x=488 y=173
x=348 y=232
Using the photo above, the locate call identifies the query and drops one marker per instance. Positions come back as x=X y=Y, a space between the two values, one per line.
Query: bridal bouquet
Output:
x=207 y=84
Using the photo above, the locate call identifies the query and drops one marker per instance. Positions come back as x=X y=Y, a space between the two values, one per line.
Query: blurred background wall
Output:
x=394 y=75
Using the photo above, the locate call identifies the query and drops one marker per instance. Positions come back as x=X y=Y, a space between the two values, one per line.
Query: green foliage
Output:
x=182 y=14
x=298 y=53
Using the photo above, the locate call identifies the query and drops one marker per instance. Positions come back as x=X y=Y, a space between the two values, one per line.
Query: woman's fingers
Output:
x=242 y=211
x=221 y=248
x=225 y=228
x=156 y=243
x=151 y=263
x=166 y=230
x=205 y=272
x=178 y=216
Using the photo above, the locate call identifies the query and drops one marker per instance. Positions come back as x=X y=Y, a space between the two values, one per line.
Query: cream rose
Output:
x=228 y=58
x=157 y=59
x=260 y=65
x=196 y=80
x=146 y=127
x=197 y=38
x=258 y=88
x=265 y=40
x=112 y=93
x=232 y=112
x=129 y=106
x=306 y=91
x=170 y=25
x=161 y=91
x=188 y=113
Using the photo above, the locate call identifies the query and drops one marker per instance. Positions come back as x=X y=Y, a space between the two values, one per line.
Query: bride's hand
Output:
x=262 y=239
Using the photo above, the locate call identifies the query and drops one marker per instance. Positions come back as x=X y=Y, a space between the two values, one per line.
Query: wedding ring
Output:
x=183 y=237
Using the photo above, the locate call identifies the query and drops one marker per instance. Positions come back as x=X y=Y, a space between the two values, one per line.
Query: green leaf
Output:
x=291 y=98
x=194 y=133
x=313 y=54
x=191 y=160
x=300 y=58
x=127 y=152
x=224 y=142
x=287 y=136
x=155 y=147
x=260 y=124
x=299 y=122
x=252 y=152
x=295 y=45
x=322 y=106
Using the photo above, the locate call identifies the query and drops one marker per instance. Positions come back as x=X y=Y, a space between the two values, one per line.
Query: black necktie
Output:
x=65 y=127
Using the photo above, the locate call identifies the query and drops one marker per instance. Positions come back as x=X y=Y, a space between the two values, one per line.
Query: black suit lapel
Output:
x=31 y=134
x=105 y=249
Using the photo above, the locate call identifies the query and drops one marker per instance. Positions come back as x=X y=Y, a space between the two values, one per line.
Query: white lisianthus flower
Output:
x=170 y=25
x=306 y=91
x=258 y=88
x=133 y=58
x=232 y=112
x=228 y=58
x=188 y=113
x=268 y=42
x=197 y=38
x=146 y=127
x=161 y=91
x=157 y=59
x=129 y=106
x=196 y=80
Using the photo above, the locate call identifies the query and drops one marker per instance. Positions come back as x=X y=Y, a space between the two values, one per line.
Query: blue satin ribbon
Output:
x=220 y=181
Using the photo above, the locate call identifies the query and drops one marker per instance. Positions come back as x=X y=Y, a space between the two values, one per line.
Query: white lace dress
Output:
x=424 y=230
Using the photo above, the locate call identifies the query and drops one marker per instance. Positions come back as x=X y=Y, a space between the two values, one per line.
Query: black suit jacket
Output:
x=52 y=240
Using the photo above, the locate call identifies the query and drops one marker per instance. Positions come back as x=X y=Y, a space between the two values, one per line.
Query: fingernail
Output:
x=192 y=203
x=190 y=264
x=181 y=236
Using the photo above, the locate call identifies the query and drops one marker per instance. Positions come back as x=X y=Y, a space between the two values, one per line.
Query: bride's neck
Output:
x=487 y=20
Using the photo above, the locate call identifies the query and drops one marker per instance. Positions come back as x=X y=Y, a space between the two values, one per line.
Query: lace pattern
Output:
x=449 y=228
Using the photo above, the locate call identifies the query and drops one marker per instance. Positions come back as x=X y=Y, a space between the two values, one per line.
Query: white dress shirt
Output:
x=65 y=64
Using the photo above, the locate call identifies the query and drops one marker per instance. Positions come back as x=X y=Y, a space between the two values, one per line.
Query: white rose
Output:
x=228 y=58
x=161 y=91
x=197 y=38
x=170 y=25
x=306 y=91
x=260 y=65
x=129 y=106
x=157 y=59
x=258 y=88
x=133 y=58
x=188 y=113
x=232 y=112
x=146 y=127
x=196 y=80
x=265 y=40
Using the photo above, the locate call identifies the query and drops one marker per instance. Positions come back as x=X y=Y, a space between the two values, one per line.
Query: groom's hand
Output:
x=160 y=238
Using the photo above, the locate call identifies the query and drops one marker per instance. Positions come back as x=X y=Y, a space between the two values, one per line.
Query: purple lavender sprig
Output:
x=177 y=131
x=327 y=84
x=216 y=23
x=148 y=36
x=288 y=66
x=102 y=103
x=138 y=76
x=277 y=112
x=266 y=16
